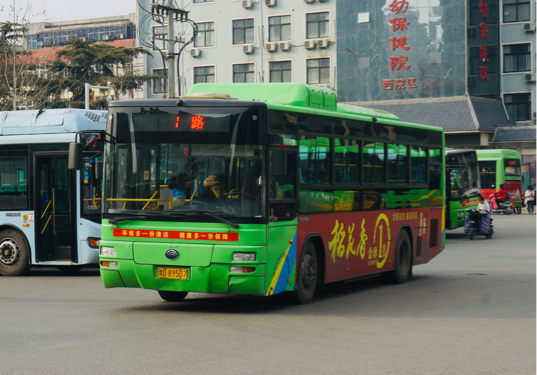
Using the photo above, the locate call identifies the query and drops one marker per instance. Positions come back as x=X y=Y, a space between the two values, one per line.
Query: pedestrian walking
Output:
x=529 y=196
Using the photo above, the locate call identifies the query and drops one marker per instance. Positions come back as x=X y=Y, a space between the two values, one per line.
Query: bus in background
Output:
x=50 y=216
x=526 y=175
x=266 y=188
x=497 y=167
x=462 y=186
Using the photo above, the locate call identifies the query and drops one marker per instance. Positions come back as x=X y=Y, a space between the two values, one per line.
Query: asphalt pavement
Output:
x=471 y=310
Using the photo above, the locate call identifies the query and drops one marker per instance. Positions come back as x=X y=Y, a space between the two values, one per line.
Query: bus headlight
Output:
x=244 y=257
x=93 y=242
x=108 y=251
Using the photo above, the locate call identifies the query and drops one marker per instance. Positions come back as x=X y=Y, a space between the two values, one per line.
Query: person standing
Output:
x=529 y=196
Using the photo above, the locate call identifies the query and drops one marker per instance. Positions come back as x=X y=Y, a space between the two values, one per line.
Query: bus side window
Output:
x=13 y=181
x=398 y=164
x=374 y=165
x=315 y=160
x=418 y=165
x=435 y=168
x=347 y=161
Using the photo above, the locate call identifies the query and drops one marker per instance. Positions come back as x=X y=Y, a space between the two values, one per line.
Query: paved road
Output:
x=470 y=311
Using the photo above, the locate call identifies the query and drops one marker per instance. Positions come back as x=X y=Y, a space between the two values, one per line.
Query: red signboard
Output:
x=176 y=235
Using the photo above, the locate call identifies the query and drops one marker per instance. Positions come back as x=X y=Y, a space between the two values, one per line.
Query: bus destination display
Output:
x=184 y=122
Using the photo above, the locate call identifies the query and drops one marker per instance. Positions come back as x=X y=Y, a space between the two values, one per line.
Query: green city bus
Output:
x=261 y=189
x=497 y=167
x=462 y=185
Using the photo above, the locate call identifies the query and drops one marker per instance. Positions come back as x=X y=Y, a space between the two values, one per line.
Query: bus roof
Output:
x=292 y=94
x=51 y=121
x=497 y=154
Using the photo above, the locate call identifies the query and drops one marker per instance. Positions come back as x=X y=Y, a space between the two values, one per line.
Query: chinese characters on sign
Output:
x=399 y=62
x=181 y=235
x=483 y=35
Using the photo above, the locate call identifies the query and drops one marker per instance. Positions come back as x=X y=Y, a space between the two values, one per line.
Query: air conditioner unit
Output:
x=529 y=77
x=195 y=52
x=40 y=44
x=270 y=3
x=106 y=37
x=285 y=46
x=121 y=36
x=271 y=47
x=83 y=38
x=309 y=1
x=322 y=43
x=310 y=44
x=530 y=26
x=248 y=49
x=247 y=4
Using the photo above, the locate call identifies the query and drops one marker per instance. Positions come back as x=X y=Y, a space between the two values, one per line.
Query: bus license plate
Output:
x=173 y=273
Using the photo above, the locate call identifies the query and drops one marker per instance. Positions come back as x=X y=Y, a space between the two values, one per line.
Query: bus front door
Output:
x=55 y=215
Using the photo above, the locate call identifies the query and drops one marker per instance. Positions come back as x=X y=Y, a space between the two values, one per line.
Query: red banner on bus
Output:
x=176 y=235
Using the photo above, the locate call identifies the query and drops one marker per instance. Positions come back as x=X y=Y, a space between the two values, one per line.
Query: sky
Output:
x=65 y=10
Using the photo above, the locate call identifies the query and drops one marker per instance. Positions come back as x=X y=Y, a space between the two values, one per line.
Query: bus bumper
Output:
x=215 y=278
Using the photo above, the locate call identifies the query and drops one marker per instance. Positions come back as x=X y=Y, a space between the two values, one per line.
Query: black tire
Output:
x=402 y=261
x=14 y=253
x=172 y=296
x=69 y=269
x=491 y=232
x=306 y=279
x=472 y=233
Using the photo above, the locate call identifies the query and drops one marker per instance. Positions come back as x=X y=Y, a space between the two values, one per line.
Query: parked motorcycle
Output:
x=477 y=223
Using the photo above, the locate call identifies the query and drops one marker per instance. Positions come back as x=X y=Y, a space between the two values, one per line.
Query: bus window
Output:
x=283 y=187
x=374 y=167
x=347 y=161
x=315 y=160
x=435 y=168
x=13 y=181
x=398 y=164
x=511 y=167
x=419 y=160
x=487 y=174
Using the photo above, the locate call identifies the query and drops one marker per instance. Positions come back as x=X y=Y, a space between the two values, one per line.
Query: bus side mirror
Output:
x=98 y=170
x=75 y=156
x=278 y=162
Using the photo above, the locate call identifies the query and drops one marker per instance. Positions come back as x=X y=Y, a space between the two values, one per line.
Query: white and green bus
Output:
x=49 y=215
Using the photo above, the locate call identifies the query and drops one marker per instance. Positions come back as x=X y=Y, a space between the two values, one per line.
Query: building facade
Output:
x=245 y=41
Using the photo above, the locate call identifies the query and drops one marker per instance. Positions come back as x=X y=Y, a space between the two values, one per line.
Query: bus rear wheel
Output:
x=306 y=279
x=172 y=296
x=402 y=261
x=14 y=253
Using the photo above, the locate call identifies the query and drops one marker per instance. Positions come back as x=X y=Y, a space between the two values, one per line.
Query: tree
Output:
x=84 y=61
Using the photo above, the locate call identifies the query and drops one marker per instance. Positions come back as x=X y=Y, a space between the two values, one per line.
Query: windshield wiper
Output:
x=221 y=219
x=118 y=219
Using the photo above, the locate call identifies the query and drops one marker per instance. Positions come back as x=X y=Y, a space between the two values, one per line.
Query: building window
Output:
x=279 y=28
x=516 y=10
x=205 y=37
x=243 y=31
x=318 y=71
x=317 y=25
x=204 y=74
x=160 y=38
x=280 y=71
x=160 y=83
x=243 y=73
x=516 y=58
x=518 y=106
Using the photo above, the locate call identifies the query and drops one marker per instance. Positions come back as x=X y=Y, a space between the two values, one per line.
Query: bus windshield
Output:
x=185 y=162
x=511 y=167
x=464 y=178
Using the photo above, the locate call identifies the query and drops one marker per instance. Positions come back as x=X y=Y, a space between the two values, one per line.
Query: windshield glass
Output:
x=185 y=162
x=464 y=178
x=512 y=167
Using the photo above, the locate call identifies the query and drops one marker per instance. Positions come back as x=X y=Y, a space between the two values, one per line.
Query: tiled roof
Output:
x=514 y=134
x=453 y=114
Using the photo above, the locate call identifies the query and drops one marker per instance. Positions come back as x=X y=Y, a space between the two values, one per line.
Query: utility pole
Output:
x=171 y=51
x=172 y=14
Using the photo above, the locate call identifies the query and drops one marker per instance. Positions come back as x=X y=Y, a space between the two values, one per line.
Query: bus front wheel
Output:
x=402 y=261
x=306 y=280
x=172 y=296
x=14 y=253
